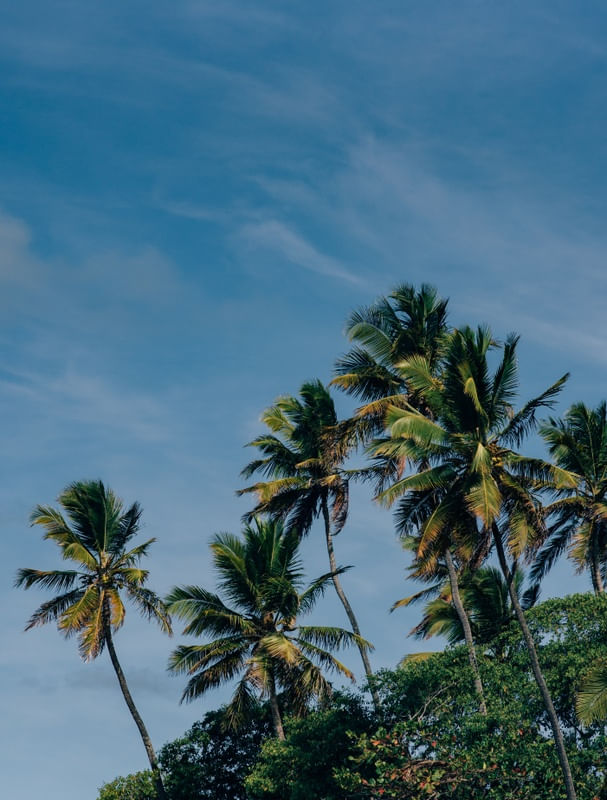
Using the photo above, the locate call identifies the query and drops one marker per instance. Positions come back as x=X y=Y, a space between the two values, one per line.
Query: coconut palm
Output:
x=94 y=533
x=441 y=563
x=406 y=324
x=578 y=444
x=470 y=442
x=485 y=597
x=255 y=633
x=302 y=462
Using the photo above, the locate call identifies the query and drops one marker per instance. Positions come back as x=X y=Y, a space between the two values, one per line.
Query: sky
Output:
x=193 y=197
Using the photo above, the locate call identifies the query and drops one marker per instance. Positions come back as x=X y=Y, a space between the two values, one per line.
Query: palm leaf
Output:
x=591 y=703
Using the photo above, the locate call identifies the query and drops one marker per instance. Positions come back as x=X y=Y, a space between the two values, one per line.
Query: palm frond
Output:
x=525 y=420
x=52 y=610
x=50 y=579
x=591 y=703
x=150 y=606
x=205 y=612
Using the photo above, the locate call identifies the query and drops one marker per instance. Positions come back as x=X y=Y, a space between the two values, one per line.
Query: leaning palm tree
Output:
x=578 y=444
x=94 y=534
x=470 y=440
x=302 y=462
x=255 y=633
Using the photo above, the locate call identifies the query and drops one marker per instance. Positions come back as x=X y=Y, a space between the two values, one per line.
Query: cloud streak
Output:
x=276 y=237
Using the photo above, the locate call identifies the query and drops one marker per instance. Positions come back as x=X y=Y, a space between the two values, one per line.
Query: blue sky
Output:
x=194 y=195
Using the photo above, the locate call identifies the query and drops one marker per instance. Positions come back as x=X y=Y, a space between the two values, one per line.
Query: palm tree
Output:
x=258 y=636
x=440 y=564
x=407 y=324
x=302 y=460
x=578 y=444
x=485 y=596
x=469 y=441
x=94 y=534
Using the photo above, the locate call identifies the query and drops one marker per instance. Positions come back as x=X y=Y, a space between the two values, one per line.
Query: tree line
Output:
x=442 y=431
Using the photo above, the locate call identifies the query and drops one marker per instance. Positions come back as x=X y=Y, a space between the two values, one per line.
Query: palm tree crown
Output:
x=301 y=461
x=255 y=633
x=394 y=328
x=405 y=324
x=94 y=536
x=578 y=444
x=467 y=445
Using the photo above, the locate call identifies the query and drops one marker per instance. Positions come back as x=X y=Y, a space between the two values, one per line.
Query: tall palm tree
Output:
x=258 y=635
x=94 y=534
x=578 y=444
x=407 y=324
x=302 y=462
x=470 y=442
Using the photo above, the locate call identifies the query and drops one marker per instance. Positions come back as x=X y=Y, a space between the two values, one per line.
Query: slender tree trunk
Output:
x=276 y=718
x=346 y=604
x=535 y=666
x=147 y=742
x=597 y=578
x=465 y=623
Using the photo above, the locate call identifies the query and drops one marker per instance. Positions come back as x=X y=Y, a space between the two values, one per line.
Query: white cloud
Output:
x=274 y=236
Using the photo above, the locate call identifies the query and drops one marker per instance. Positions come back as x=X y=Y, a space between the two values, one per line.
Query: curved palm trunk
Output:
x=465 y=623
x=276 y=718
x=535 y=666
x=346 y=604
x=147 y=742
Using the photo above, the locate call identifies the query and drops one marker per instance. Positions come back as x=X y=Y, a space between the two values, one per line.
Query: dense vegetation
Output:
x=514 y=707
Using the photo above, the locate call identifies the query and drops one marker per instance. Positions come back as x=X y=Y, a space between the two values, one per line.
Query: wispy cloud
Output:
x=399 y=207
x=93 y=402
x=274 y=236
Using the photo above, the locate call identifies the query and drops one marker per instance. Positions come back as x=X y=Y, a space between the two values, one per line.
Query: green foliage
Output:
x=210 y=761
x=139 y=786
x=303 y=766
x=434 y=744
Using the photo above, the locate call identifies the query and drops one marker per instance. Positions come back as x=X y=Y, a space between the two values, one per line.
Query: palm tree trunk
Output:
x=147 y=742
x=535 y=666
x=597 y=578
x=465 y=623
x=276 y=718
x=346 y=604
